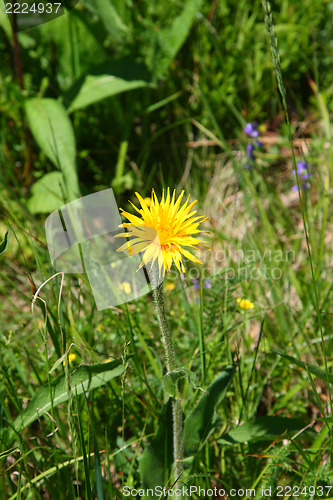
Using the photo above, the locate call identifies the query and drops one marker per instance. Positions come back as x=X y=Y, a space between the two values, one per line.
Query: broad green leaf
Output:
x=78 y=40
x=199 y=421
x=53 y=132
x=5 y=243
x=156 y=461
x=314 y=369
x=84 y=378
x=262 y=428
x=106 y=80
x=111 y=19
x=47 y=194
x=171 y=39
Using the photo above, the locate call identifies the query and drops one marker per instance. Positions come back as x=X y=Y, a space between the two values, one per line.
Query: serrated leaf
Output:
x=198 y=423
x=156 y=461
x=47 y=194
x=84 y=378
x=5 y=243
x=53 y=132
x=106 y=80
x=262 y=429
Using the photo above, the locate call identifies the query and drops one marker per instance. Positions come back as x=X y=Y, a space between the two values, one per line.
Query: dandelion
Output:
x=170 y=286
x=163 y=231
x=245 y=303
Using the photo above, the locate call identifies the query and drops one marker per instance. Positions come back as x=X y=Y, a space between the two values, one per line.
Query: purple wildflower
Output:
x=249 y=150
x=207 y=284
x=302 y=169
x=196 y=284
x=304 y=185
x=250 y=129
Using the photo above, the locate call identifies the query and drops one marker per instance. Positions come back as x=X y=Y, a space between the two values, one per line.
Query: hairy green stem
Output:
x=171 y=365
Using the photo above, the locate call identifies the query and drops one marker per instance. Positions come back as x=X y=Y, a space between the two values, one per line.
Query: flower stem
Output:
x=171 y=365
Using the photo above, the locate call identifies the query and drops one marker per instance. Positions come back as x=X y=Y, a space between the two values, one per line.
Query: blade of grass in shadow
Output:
x=97 y=459
x=83 y=447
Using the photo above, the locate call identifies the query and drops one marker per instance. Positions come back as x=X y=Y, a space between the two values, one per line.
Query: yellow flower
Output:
x=170 y=286
x=71 y=358
x=125 y=287
x=163 y=230
x=245 y=304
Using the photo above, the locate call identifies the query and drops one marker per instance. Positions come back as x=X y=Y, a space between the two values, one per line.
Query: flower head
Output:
x=206 y=284
x=71 y=358
x=250 y=151
x=251 y=130
x=302 y=169
x=125 y=287
x=304 y=185
x=245 y=303
x=162 y=230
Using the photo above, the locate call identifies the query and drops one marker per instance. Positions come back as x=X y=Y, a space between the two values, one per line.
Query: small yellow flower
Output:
x=170 y=286
x=245 y=304
x=163 y=230
x=100 y=328
x=125 y=287
x=71 y=358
